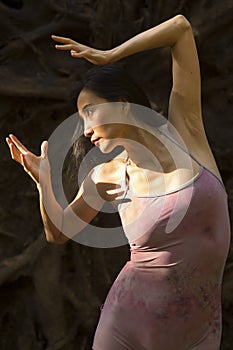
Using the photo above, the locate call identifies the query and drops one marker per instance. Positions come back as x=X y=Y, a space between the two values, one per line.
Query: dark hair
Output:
x=112 y=83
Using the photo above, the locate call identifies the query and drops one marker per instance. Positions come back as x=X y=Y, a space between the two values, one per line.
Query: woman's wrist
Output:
x=40 y=186
x=114 y=55
x=43 y=183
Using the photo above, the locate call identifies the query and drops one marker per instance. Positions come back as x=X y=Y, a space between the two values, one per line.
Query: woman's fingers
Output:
x=98 y=57
x=67 y=47
x=80 y=54
x=68 y=44
x=29 y=161
x=44 y=149
x=23 y=161
x=15 y=154
x=94 y=56
x=62 y=39
x=18 y=144
x=26 y=163
x=8 y=140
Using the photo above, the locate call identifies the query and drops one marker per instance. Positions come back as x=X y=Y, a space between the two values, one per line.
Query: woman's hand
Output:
x=37 y=167
x=97 y=57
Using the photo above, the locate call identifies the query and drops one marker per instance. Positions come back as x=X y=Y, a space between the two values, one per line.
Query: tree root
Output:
x=12 y=268
x=18 y=45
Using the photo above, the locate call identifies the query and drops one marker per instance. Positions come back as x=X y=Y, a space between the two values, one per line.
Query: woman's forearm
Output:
x=51 y=213
x=62 y=224
x=164 y=34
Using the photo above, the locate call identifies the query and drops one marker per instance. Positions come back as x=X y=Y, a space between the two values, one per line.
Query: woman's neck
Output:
x=148 y=150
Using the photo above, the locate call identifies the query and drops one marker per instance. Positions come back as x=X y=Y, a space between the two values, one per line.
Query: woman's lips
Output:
x=95 y=141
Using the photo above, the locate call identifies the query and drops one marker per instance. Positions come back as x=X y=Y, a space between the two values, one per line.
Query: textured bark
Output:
x=51 y=295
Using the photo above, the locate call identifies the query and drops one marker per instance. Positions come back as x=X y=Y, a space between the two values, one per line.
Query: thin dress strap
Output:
x=182 y=148
x=194 y=158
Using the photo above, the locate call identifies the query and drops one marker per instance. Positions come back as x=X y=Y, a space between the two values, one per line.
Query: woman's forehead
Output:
x=87 y=97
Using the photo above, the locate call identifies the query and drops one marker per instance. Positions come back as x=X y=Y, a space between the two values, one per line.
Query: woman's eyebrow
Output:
x=86 y=106
x=82 y=111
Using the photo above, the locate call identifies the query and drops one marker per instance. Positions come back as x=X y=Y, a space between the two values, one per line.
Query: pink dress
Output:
x=168 y=295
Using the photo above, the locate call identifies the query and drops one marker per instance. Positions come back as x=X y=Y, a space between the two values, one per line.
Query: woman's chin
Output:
x=107 y=146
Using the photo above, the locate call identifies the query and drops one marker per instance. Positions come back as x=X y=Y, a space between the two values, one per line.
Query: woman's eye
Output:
x=89 y=112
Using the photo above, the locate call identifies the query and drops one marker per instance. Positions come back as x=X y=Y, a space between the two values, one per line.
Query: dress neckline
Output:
x=185 y=185
x=201 y=171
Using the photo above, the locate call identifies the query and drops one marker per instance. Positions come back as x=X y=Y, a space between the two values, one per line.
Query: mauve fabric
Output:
x=168 y=295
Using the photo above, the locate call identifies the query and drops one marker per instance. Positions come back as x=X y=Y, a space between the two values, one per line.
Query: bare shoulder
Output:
x=110 y=172
x=108 y=179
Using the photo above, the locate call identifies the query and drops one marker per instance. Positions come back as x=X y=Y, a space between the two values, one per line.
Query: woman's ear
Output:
x=125 y=105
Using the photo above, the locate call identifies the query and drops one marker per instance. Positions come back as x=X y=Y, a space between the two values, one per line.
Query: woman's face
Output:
x=104 y=122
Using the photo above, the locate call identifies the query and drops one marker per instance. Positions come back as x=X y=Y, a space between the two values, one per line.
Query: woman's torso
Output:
x=179 y=243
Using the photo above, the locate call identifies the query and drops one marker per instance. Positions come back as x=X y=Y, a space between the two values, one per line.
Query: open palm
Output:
x=34 y=165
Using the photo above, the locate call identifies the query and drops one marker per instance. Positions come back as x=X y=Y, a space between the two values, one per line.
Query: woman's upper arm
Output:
x=185 y=99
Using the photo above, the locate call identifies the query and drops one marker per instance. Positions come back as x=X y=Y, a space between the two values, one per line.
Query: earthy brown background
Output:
x=51 y=295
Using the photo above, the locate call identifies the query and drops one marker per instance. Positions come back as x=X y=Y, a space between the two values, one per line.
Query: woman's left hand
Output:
x=37 y=167
x=97 y=57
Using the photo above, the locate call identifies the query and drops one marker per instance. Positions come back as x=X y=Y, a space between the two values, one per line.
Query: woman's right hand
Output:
x=37 y=167
x=97 y=57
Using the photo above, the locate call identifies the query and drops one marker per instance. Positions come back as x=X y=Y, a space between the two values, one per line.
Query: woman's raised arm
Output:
x=176 y=33
x=185 y=99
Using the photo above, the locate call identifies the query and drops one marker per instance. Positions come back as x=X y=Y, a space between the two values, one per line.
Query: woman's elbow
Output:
x=57 y=238
x=182 y=22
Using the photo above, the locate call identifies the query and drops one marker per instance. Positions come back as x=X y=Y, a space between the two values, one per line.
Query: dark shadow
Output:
x=15 y=4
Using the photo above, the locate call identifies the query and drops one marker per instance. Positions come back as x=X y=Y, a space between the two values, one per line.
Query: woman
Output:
x=168 y=296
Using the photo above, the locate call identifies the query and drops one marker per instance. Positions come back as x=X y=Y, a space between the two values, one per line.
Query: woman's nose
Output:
x=88 y=131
